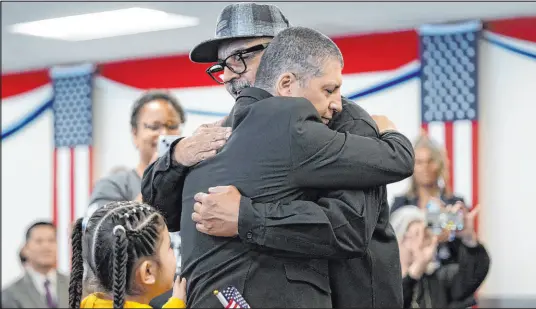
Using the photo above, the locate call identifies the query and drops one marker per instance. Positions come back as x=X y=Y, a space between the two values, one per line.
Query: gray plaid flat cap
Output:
x=241 y=20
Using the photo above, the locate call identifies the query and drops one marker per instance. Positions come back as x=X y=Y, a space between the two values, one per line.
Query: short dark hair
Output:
x=299 y=50
x=153 y=95
x=117 y=235
x=37 y=224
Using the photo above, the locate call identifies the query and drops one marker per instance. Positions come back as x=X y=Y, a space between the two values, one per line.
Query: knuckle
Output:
x=208 y=201
x=216 y=144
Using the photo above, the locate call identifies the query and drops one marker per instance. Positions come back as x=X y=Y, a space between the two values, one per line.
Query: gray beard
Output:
x=235 y=86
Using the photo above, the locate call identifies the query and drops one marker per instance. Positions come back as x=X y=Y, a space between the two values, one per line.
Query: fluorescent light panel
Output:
x=105 y=24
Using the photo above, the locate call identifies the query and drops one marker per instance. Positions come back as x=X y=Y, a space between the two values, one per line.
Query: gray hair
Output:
x=299 y=50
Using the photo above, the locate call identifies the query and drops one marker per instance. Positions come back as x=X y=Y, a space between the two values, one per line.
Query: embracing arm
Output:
x=339 y=225
x=161 y=187
x=326 y=159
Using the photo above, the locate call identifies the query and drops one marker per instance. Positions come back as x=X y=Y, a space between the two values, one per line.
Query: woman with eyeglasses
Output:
x=154 y=113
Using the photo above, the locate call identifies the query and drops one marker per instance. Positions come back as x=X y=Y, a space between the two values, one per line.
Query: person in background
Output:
x=154 y=113
x=430 y=177
x=429 y=184
x=41 y=286
x=426 y=282
x=128 y=250
x=118 y=169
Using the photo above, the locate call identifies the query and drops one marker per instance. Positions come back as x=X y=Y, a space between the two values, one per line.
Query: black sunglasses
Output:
x=237 y=58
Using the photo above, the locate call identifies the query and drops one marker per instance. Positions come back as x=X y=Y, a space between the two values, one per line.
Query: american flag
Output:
x=234 y=298
x=449 y=99
x=72 y=160
x=175 y=238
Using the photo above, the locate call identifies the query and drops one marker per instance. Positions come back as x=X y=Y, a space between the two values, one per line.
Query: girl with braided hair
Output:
x=126 y=246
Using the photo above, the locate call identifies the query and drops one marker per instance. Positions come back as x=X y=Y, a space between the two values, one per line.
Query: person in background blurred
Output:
x=41 y=286
x=429 y=184
x=118 y=169
x=426 y=282
x=429 y=179
x=154 y=113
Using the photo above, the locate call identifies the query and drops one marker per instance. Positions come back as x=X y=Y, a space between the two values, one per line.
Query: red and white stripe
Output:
x=232 y=304
x=460 y=139
x=72 y=184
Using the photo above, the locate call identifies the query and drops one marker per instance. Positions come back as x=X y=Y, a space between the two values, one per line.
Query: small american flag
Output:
x=234 y=298
x=449 y=99
x=175 y=238
x=72 y=158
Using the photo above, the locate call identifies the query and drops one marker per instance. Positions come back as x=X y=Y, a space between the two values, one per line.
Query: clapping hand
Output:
x=468 y=233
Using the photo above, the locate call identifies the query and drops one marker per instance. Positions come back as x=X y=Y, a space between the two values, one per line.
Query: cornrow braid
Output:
x=120 y=266
x=77 y=272
x=117 y=235
x=119 y=206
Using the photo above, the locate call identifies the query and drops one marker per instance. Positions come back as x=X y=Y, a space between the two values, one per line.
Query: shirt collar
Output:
x=39 y=278
x=255 y=94
x=245 y=99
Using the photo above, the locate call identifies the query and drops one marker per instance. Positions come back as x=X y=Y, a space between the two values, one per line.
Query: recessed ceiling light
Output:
x=104 y=24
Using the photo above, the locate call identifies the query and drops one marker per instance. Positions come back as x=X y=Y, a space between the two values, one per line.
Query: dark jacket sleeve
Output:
x=473 y=267
x=408 y=288
x=339 y=225
x=162 y=185
x=326 y=159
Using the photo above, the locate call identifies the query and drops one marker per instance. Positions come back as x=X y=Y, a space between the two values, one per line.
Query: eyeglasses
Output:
x=158 y=126
x=235 y=62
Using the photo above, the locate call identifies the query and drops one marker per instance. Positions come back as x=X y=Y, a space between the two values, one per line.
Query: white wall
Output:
x=26 y=176
x=508 y=168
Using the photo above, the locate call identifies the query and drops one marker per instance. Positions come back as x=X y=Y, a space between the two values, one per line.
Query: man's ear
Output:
x=285 y=84
x=146 y=272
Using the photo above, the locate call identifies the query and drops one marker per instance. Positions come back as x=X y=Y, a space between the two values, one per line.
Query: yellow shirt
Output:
x=93 y=301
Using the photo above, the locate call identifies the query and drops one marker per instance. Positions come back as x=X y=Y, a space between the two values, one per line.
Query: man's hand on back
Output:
x=384 y=123
x=203 y=143
x=216 y=213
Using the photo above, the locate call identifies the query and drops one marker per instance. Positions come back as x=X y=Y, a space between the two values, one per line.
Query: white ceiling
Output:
x=21 y=52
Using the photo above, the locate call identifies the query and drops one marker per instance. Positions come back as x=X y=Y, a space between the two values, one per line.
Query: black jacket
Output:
x=451 y=285
x=347 y=224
